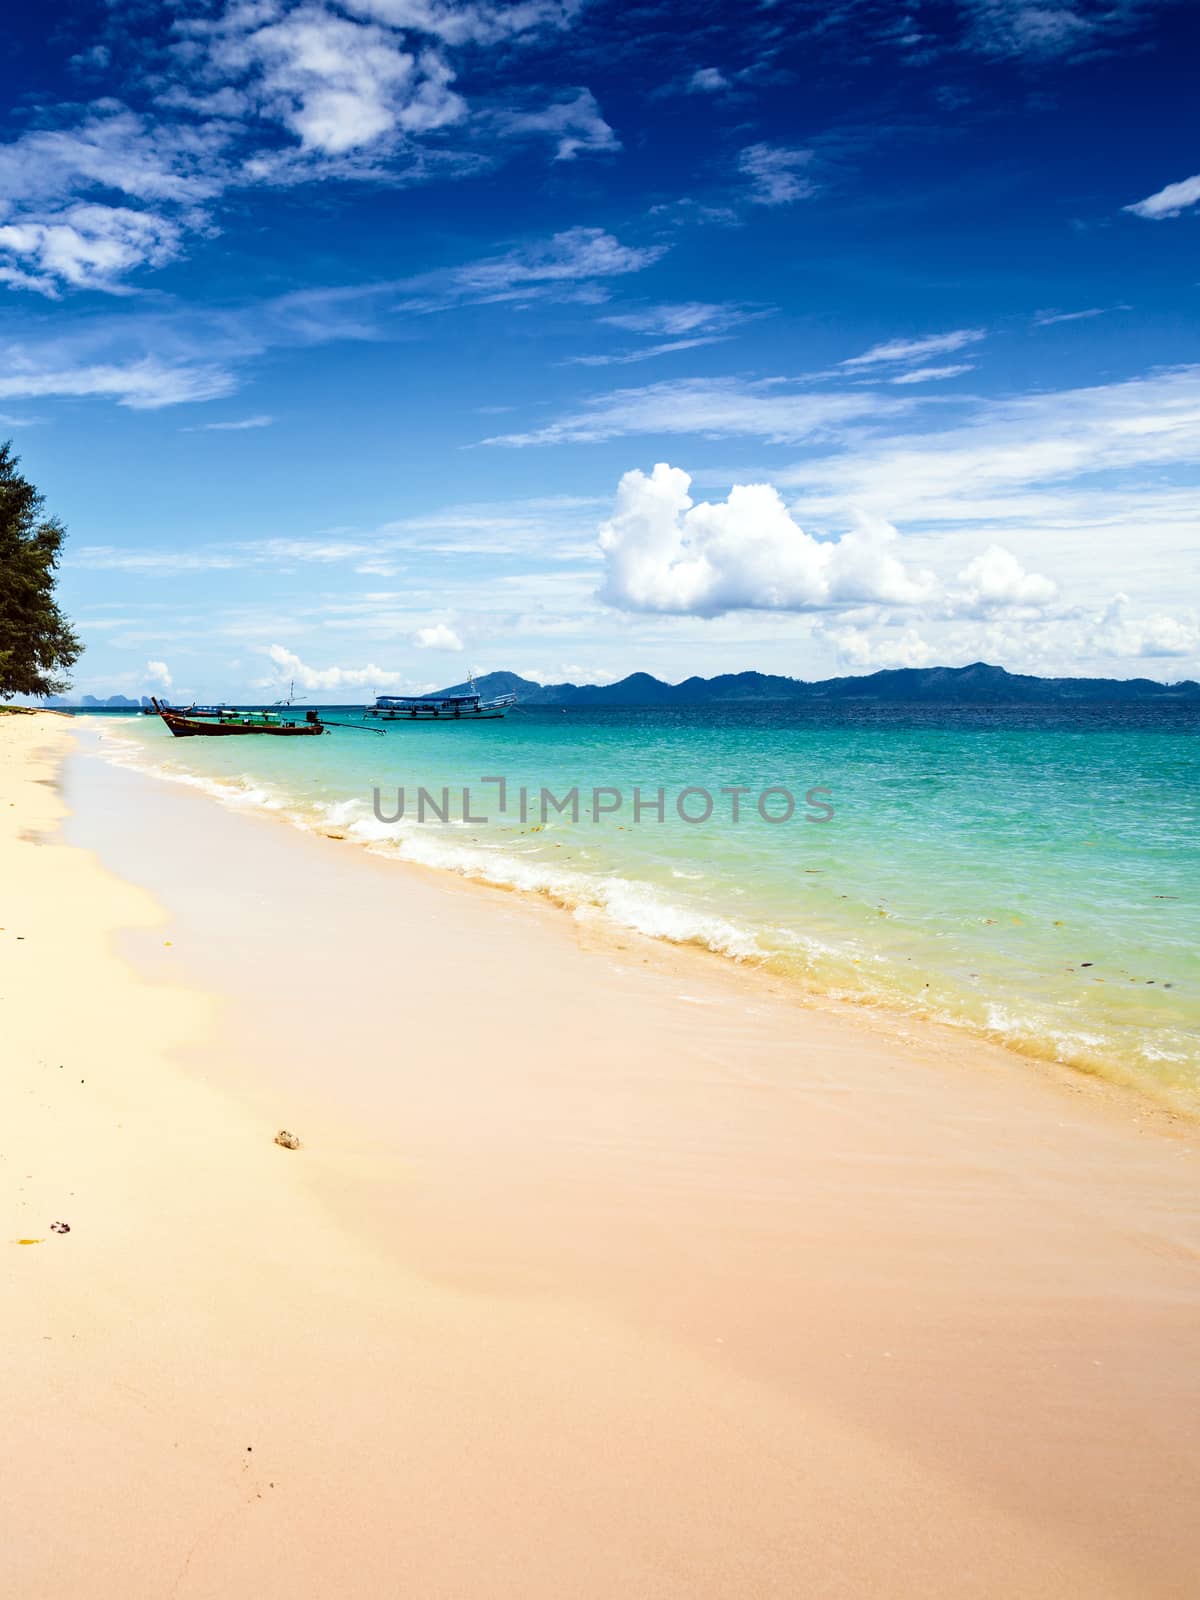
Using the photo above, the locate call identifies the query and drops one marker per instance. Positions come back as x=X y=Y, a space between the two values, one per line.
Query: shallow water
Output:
x=1033 y=876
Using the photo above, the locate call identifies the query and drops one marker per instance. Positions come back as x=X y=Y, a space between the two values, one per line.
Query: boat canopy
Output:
x=417 y=702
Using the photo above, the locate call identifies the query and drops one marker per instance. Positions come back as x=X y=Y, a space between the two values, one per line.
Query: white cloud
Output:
x=933 y=374
x=240 y=425
x=1156 y=635
x=665 y=553
x=85 y=246
x=676 y=321
x=866 y=651
x=576 y=126
x=141 y=385
x=1050 y=319
x=158 y=673
x=707 y=80
x=290 y=666
x=336 y=84
x=437 y=636
x=996 y=578
x=115 y=148
x=904 y=350
x=1169 y=202
x=713 y=406
x=459 y=24
x=1037 y=28
x=574 y=256
x=1007 y=445
x=774 y=171
x=354 y=95
x=648 y=352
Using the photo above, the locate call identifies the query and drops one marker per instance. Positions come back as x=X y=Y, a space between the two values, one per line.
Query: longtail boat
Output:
x=224 y=722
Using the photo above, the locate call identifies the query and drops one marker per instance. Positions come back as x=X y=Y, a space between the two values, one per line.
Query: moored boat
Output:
x=470 y=707
x=220 y=722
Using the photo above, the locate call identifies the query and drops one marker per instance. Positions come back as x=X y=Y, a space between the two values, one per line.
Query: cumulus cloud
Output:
x=337 y=84
x=263 y=92
x=158 y=674
x=291 y=666
x=1172 y=201
x=437 y=636
x=905 y=350
x=774 y=172
x=663 y=552
x=1156 y=635
x=997 y=578
x=86 y=246
x=866 y=651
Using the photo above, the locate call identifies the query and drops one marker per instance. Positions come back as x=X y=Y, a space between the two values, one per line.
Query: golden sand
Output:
x=599 y=1271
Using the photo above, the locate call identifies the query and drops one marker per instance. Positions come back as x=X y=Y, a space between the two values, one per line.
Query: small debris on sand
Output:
x=60 y=1227
x=289 y=1141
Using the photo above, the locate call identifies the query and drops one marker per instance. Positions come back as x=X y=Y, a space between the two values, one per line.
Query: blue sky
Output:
x=361 y=342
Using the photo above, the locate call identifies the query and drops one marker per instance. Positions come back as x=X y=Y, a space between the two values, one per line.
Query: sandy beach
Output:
x=603 y=1269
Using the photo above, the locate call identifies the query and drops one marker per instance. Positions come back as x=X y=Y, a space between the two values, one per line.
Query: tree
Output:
x=36 y=640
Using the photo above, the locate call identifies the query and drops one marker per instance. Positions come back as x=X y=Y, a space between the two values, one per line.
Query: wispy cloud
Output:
x=904 y=350
x=575 y=256
x=773 y=173
x=1049 y=30
x=686 y=317
x=238 y=426
x=1172 y=201
x=997 y=465
x=143 y=385
x=933 y=374
x=150 y=358
x=649 y=352
x=1048 y=319
x=574 y=124
x=717 y=407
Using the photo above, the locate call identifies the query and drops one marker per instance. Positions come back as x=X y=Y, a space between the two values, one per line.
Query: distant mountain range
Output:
x=113 y=702
x=978 y=684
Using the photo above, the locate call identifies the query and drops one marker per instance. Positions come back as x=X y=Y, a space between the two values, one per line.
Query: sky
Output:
x=360 y=343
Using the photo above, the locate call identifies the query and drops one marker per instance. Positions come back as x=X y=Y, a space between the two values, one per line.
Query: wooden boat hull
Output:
x=183 y=729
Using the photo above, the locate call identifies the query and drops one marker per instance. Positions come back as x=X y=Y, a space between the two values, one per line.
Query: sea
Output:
x=1029 y=875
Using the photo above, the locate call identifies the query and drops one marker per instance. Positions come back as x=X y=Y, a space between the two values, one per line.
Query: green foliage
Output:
x=36 y=641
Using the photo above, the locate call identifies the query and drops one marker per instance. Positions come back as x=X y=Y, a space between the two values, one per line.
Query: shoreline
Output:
x=581 y=1280
x=893 y=1016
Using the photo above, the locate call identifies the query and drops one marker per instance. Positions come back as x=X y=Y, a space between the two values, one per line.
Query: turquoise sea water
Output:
x=1034 y=876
